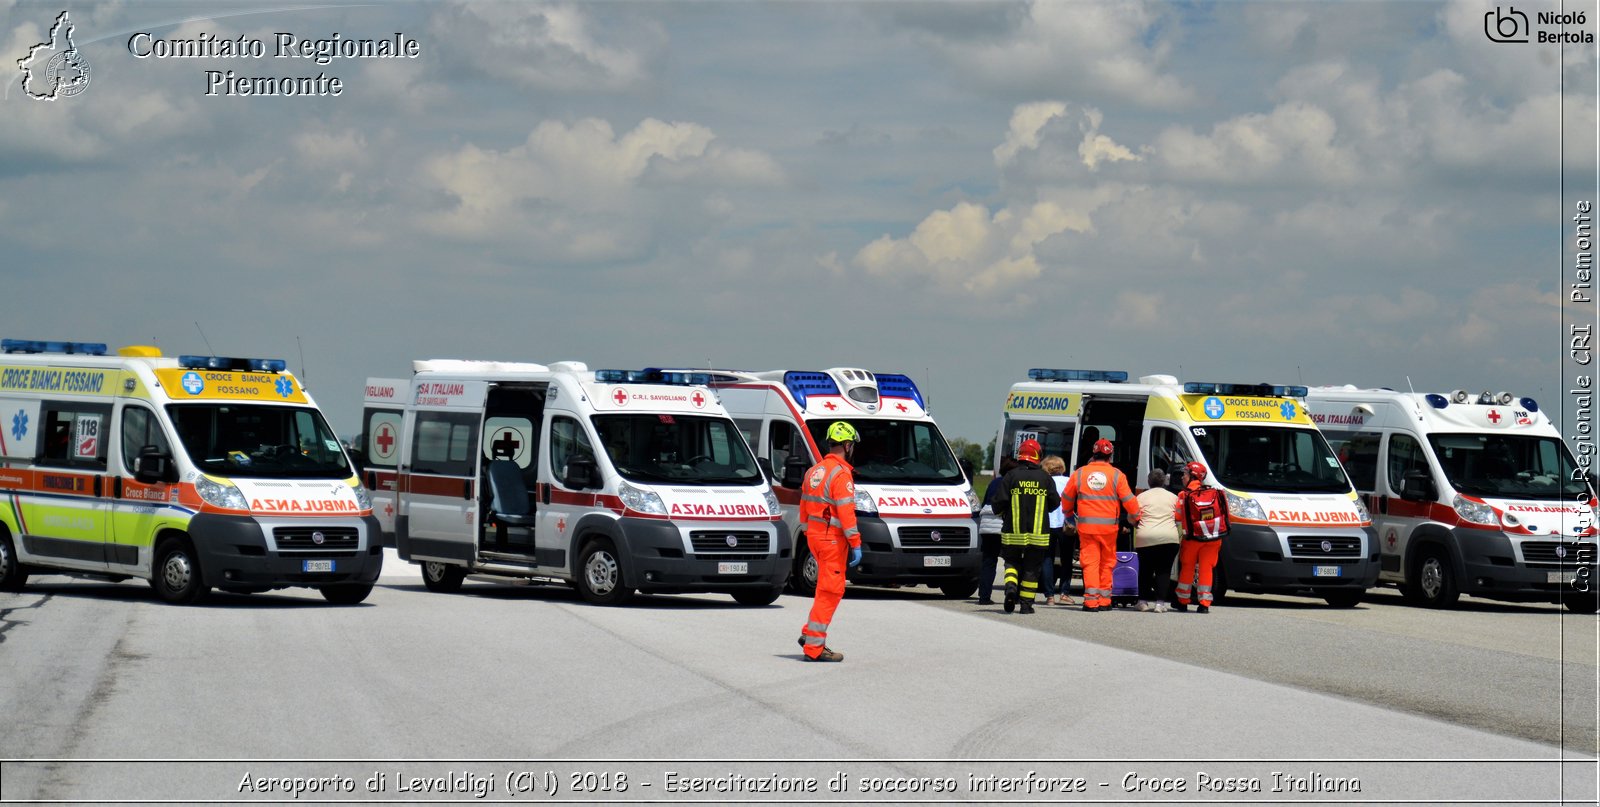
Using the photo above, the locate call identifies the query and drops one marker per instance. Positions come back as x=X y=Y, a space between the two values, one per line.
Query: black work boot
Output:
x=1027 y=606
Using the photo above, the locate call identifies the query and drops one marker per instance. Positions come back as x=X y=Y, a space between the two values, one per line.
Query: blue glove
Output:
x=855 y=556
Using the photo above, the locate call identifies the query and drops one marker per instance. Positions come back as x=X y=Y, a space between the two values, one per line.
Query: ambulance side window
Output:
x=74 y=434
x=1405 y=456
x=1359 y=455
x=751 y=429
x=567 y=440
x=140 y=428
x=784 y=442
x=445 y=443
x=1167 y=449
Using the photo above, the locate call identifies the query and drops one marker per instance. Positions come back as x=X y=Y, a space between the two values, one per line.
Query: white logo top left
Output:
x=55 y=69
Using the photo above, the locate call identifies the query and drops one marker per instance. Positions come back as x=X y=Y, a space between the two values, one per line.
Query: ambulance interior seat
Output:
x=510 y=502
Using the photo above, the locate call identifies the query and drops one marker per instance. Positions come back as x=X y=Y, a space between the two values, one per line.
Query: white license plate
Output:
x=935 y=560
x=1325 y=571
x=733 y=568
x=316 y=566
x=1560 y=577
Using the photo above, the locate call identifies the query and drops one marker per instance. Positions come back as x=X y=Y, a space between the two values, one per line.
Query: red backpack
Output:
x=1206 y=514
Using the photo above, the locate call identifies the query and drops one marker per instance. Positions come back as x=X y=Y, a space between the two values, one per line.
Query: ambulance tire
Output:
x=177 y=577
x=757 y=597
x=443 y=578
x=1435 y=579
x=1583 y=603
x=1219 y=583
x=13 y=575
x=348 y=594
x=600 y=573
x=804 y=580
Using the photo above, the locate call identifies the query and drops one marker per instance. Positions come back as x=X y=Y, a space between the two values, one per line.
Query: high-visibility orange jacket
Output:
x=828 y=501
x=1094 y=493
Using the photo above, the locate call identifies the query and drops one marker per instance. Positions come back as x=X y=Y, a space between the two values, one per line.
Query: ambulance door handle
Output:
x=116 y=487
x=99 y=486
x=466 y=489
x=544 y=493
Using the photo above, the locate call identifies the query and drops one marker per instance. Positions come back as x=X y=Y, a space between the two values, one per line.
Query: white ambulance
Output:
x=1298 y=527
x=611 y=480
x=194 y=472
x=913 y=503
x=1471 y=494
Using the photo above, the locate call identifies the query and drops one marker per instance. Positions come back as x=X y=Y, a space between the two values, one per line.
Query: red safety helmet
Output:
x=1103 y=447
x=1029 y=450
x=1196 y=471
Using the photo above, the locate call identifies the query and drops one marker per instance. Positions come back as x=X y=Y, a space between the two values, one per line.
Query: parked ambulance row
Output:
x=202 y=472
x=1336 y=489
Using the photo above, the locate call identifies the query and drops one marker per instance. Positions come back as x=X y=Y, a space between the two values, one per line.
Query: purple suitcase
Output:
x=1125 y=579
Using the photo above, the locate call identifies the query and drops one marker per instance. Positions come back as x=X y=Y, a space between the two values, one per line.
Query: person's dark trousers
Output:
x=1155 y=570
x=989 y=545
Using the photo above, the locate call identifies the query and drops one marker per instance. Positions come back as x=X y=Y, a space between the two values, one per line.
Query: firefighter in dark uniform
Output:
x=1028 y=498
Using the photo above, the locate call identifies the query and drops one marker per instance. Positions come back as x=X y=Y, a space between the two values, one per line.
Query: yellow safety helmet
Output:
x=842 y=432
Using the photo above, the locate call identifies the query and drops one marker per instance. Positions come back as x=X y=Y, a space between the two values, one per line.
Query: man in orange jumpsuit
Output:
x=828 y=515
x=1202 y=515
x=1095 y=493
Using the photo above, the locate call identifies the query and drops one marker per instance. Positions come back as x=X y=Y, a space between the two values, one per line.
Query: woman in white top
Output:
x=1058 y=571
x=1156 y=540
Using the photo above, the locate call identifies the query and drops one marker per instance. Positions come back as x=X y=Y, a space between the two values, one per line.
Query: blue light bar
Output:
x=1251 y=390
x=652 y=375
x=895 y=385
x=1436 y=400
x=1047 y=374
x=230 y=363
x=802 y=383
x=1530 y=404
x=40 y=346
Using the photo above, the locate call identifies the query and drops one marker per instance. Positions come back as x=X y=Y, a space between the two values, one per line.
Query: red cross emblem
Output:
x=620 y=397
x=385 y=439
x=829 y=405
x=698 y=399
x=1494 y=417
x=388 y=509
x=900 y=406
x=561 y=525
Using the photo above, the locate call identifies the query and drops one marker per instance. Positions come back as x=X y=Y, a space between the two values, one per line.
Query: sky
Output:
x=1372 y=193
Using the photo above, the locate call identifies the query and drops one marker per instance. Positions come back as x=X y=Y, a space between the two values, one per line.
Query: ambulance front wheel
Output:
x=346 y=594
x=1435 y=580
x=444 y=578
x=959 y=591
x=758 y=596
x=177 y=576
x=600 y=573
x=1585 y=603
x=12 y=574
x=804 y=580
x=1343 y=599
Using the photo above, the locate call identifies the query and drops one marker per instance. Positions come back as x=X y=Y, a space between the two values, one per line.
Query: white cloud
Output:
x=552 y=47
x=966 y=250
x=1026 y=122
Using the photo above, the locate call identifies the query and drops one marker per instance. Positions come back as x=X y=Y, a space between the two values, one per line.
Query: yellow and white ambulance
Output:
x=610 y=480
x=192 y=472
x=914 y=505
x=1470 y=493
x=1298 y=527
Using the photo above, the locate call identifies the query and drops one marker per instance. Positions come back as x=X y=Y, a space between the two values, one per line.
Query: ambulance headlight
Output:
x=972 y=499
x=644 y=501
x=363 y=499
x=1474 y=512
x=1361 y=510
x=1245 y=508
x=773 y=508
x=864 y=502
x=220 y=494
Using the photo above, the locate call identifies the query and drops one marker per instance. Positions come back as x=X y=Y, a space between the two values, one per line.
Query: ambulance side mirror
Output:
x=582 y=474
x=1418 y=487
x=152 y=466
x=794 y=471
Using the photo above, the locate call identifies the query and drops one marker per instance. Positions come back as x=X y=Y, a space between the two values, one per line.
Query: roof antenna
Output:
x=203 y=338
x=1414 y=404
x=1301 y=374
x=302 y=349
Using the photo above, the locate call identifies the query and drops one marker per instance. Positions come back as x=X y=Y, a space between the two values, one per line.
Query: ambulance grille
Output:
x=1544 y=552
x=1339 y=546
x=715 y=542
x=951 y=539
x=301 y=538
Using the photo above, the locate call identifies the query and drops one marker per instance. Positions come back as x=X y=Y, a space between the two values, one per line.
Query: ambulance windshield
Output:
x=1270 y=460
x=897 y=452
x=251 y=440
x=1503 y=466
x=693 y=449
